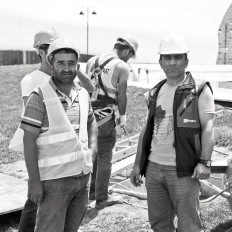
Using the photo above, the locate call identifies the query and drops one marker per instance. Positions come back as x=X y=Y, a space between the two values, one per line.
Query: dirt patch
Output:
x=130 y=216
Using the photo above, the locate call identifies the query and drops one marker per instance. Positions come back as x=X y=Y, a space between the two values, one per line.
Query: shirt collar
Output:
x=76 y=86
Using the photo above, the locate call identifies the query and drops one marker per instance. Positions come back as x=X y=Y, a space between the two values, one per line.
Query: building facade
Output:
x=225 y=39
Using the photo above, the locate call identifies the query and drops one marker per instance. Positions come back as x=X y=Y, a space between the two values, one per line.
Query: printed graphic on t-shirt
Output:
x=163 y=125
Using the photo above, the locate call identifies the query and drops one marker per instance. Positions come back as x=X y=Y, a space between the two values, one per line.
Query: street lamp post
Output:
x=87 y=18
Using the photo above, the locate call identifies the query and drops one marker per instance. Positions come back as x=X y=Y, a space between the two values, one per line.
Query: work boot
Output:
x=111 y=200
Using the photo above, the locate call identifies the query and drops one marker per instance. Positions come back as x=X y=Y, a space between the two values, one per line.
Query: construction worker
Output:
x=109 y=73
x=58 y=151
x=42 y=40
x=176 y=143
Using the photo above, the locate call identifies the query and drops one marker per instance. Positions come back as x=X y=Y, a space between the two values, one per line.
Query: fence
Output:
x=8 y=57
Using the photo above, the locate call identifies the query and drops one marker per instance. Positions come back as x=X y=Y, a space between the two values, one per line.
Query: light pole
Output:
x=87 y=18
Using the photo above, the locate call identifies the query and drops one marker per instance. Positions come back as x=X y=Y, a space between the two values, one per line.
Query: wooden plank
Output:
x=127 y=142
x=122 y=165
x=13 y=194
x=126 y=184
x=123 y=152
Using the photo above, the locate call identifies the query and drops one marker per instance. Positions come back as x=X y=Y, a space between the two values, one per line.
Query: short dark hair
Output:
x=121 y=47
x=185 y=56
x=44 y=47
x=64 y=51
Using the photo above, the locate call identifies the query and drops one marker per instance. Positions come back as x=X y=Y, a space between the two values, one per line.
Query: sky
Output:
x=147 y=20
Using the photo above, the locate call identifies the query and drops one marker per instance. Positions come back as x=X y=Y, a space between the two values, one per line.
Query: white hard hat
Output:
x=59 y=44
x=128 y=40
x=45 y=37
x=173 y=44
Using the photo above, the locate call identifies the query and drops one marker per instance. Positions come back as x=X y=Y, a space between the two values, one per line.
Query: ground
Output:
x=131 y=216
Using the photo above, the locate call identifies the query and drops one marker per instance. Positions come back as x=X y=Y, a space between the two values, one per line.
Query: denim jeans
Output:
x=28 y=216
x=102 y=164
x=169 y=196
x=63 y=205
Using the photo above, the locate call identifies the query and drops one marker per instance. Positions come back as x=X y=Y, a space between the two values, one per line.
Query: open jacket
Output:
x=187 y=127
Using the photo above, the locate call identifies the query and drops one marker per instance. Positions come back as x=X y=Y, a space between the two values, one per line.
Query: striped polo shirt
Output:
x=35 y=118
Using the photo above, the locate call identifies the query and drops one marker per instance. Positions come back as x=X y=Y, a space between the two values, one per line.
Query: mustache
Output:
x=69 y=72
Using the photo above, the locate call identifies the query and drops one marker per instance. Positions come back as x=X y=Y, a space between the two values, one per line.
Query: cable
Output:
x=229 y=188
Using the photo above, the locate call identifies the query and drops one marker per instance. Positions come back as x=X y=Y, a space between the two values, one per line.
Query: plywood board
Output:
x=13 y=194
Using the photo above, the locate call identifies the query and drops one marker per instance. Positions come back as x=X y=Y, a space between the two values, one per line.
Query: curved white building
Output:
x=148 y=21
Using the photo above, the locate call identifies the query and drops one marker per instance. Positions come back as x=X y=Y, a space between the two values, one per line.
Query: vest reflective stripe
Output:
x=54 y=171
x=55 y=138
x=65 y=158
x=60 y=152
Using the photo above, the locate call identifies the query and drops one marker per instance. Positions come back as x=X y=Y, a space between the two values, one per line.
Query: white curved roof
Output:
x=148 y=21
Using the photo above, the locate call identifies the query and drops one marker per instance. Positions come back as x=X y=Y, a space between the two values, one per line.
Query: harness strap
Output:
x=106 y=111
x=97 y=74
x=104 y=120
x=104 y=115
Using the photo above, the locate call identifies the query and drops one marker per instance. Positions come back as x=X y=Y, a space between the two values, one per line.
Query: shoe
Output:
x=111 y=200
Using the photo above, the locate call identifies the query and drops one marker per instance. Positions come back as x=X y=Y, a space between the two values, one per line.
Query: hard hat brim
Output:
x=173 y=52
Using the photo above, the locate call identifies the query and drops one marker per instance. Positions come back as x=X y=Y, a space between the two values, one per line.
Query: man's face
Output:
x=174 y=65
x=126 y=55
x=64 y=67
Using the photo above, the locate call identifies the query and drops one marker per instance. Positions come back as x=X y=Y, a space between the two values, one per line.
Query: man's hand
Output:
x=201 y=172
x=135 y=176
x=122 y=120
x=35 y=191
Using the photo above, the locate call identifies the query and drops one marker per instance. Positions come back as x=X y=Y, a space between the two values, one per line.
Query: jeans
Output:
x=169 y=196
x=28 y=216
x=102 y=164
x=63 y=205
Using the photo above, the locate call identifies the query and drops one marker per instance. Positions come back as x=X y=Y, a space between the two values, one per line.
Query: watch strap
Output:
x=207 y=163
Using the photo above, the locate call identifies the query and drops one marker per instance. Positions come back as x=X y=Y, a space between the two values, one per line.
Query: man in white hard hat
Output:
x=175 y=145
x=58 y=150
x=109 y=73
x=42 y=41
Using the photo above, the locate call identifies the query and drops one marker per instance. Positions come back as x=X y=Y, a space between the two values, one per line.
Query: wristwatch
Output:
x=207 y=163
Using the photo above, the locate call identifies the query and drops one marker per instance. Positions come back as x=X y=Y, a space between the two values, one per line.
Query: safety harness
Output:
x=102 y=105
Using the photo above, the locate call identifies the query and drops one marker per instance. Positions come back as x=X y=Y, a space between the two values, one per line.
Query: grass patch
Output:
x=223 y=130
x=11 y=107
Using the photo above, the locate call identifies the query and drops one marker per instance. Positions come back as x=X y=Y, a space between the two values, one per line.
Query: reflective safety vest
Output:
x=60 y=152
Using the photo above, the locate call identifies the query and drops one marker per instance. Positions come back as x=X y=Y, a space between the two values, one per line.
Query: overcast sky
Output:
x=147 y=20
